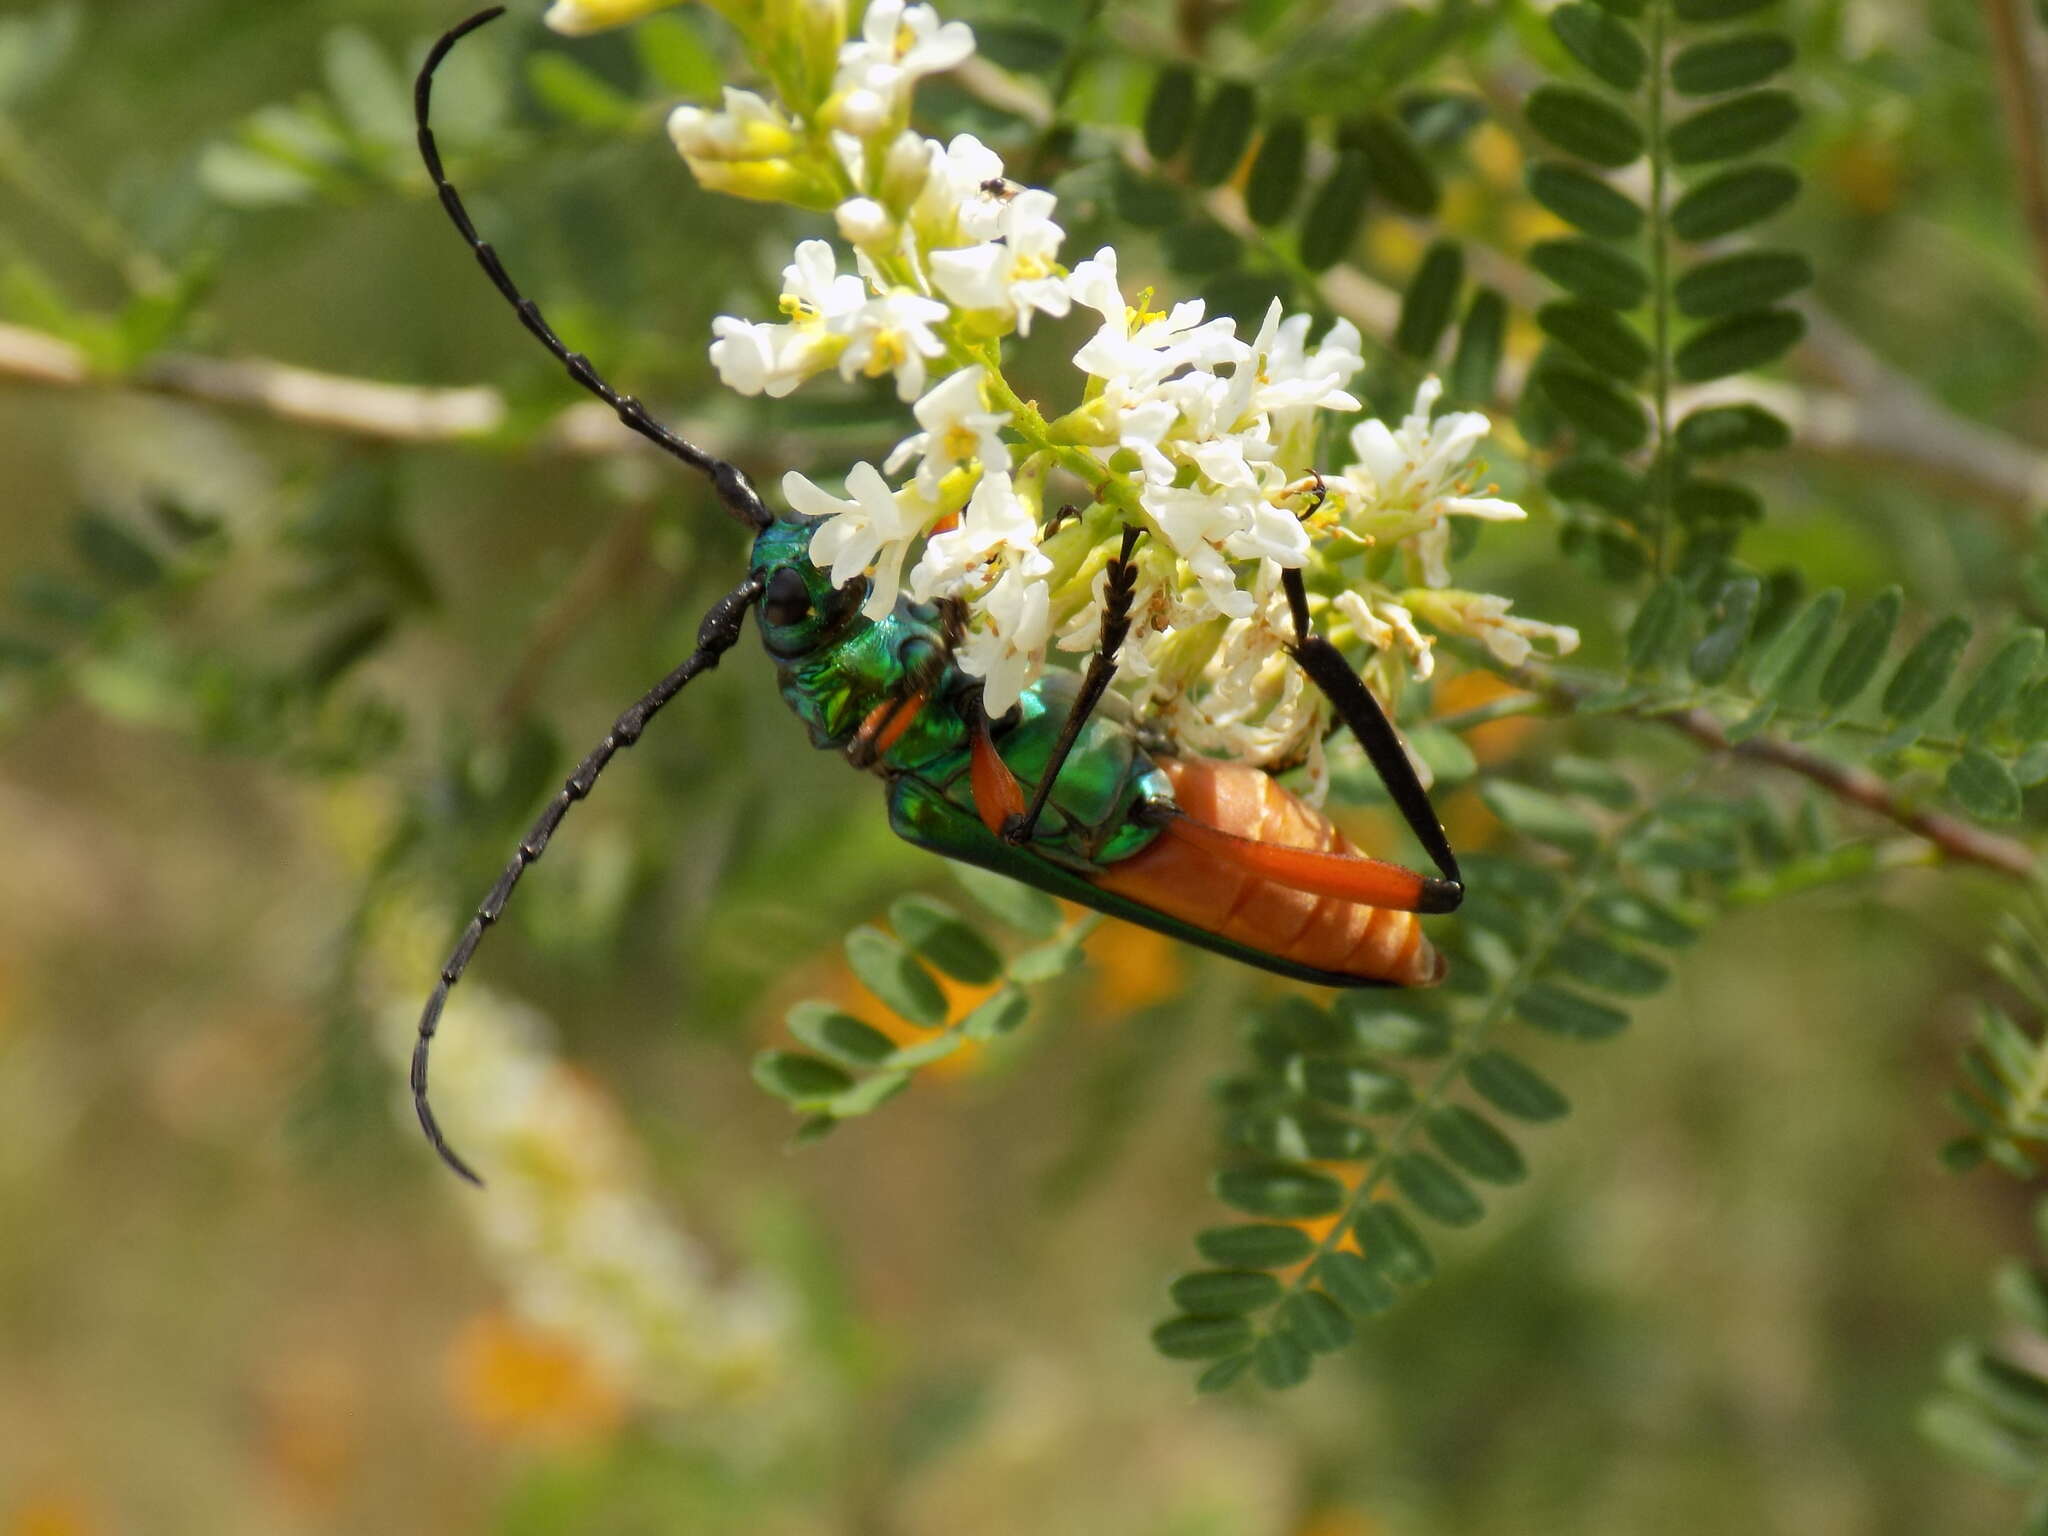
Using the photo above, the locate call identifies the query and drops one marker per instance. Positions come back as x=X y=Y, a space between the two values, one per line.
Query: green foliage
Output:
x=857 y=1067
x=1361 y=1125
x=1628 y=114
x=1818 y=676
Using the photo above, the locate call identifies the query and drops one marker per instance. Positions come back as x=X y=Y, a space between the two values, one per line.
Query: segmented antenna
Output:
x=715 y=636
x=733 y=487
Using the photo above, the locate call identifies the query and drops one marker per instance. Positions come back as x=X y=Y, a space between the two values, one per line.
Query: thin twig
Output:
x=2020 y=85
x=1858 y=786
x=366 y=408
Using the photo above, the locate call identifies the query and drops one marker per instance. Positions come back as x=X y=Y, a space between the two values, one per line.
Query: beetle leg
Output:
x=1361 y=712
x=998 y=797
x=1347 y=877
x=1116 y=624
x=884 y=727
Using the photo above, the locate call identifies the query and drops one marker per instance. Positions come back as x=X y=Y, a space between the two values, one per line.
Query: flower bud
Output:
x=905 y=169
x=865 y=224
x=576 y=18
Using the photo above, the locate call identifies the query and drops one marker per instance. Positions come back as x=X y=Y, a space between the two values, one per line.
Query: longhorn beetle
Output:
x=1060 y=793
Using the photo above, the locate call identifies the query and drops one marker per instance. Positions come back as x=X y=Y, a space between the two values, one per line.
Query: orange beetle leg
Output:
x=1369 y=882
x=884 y=727
x=997 y=794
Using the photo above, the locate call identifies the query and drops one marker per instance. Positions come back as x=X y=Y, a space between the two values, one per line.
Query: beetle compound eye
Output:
x=788 y=600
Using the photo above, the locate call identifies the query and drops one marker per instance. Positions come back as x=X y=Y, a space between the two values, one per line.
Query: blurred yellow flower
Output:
x=512 y=1381
x=53 y=1513
x=1134 y=967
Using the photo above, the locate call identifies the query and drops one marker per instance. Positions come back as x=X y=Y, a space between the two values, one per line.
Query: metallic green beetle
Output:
x=1065 y=793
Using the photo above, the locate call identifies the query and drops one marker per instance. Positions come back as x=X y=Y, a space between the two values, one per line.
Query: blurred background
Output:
x=287 y=662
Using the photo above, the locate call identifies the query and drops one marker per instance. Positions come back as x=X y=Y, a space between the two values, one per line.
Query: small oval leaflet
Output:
x=1201 y=1338
x=1717 y=430
x=1603 y=45
x=1584 y=201
x=830 y=1032
x=1567 y=1013
x=1220 y=1292
x=1984 y=786
x=1434 y=1190
x=1796 y=650
x=1738 y=343
x=939 y=934
x=1334 y=213
x=1278 y=1189
x=1431 y=299
x=1482 y=340
x=1595 y=406
x=1395 y=163
x=1744 y=280
x=1514 y=1088
x=1730 y=63
x=1256 y=1245
x=1997 y=686
x=1592 y=270
x=1281 y=1360
x=887 y=969
x=1925 y=673
x=1392 y=1246
x=1585 y=125
x=1594 y=962
x=1275 y=178
x=1598 y=335
x=1357 y=1286
x=1170 y=112
x=1733 y=200
x=1716 y=654
x=1221 y=134
x=1475 y=1144
x=1317 y=1321
x=1862 y=650
x=1739 y=126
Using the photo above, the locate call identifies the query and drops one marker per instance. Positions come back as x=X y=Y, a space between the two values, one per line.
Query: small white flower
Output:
x=1195 y=523
x=867 y=534
x=957 y=430
x=996 y=528
x=1015 y=273
x=1093 y=285
x=1408 y=481
x=956 y=201
x=899 y=45
x=1388 y=627
x=892 y=334
x=1159 y=346
x=1005 y=644
x=1486 y=618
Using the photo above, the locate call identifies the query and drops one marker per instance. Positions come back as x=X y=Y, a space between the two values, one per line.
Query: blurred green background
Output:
x=255 y=774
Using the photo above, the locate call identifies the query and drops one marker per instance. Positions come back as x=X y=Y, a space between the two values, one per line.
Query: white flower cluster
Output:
x=1204 y=439
x=583 y=1247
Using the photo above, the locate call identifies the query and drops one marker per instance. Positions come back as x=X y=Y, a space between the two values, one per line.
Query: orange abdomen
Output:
x=1326 y=933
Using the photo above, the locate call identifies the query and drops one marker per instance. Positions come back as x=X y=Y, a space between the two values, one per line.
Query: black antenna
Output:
x=715 y=636
x=731 y=485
